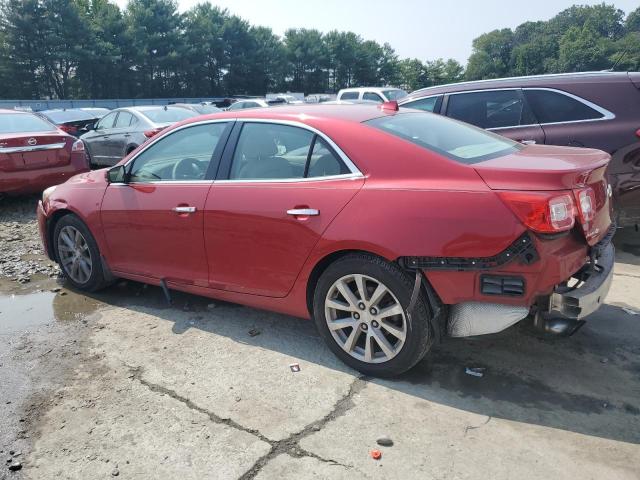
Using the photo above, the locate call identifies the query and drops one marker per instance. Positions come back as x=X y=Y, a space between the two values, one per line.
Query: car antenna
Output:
x=620 y=57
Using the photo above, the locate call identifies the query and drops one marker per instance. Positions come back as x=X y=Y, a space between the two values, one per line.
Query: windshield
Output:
x=456 y=140
x=63 y=116
x=395 y=94
x=168 y=115
x=23 y=122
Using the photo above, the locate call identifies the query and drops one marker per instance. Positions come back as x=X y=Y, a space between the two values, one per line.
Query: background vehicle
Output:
x=374 y=94
x=74 y=121
x=124 y=129
x=257 y=103
x=423 y=212
x=593 y=109
x=35 y=154
x=199 y=108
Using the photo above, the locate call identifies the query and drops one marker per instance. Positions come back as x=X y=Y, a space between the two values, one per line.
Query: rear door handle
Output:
x=184 y=209
x=303 y=212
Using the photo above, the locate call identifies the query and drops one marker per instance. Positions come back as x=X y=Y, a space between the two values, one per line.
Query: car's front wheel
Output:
x=361 y=309
x=77 y=253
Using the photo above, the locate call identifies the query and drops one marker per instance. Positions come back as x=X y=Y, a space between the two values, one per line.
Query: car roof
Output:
x=8 y=110
x=309 y=113
x=368 y=89
x=555 y=79
x=146 y=108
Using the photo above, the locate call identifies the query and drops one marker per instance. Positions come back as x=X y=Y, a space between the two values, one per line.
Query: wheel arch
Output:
x=51 y=227
x=324 y=262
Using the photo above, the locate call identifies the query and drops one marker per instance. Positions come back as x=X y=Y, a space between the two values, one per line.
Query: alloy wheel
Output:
x=365 y=318
x=75 y=256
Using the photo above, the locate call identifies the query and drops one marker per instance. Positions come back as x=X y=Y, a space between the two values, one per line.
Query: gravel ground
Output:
x=21 y=252
x=119 y=384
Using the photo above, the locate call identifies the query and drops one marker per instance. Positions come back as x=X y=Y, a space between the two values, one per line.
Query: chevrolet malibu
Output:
x=35 y=154
x=390 y=229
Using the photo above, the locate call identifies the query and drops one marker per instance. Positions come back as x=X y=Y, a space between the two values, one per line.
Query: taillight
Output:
x=68 y=128
x=542 y=212
x=586 y=199
x=78 y=146
x=151 y=133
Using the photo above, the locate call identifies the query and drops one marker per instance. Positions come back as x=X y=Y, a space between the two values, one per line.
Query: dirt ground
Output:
x=119 y=384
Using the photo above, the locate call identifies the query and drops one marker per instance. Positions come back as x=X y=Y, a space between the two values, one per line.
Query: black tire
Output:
x=96 y=279
x=419 y=324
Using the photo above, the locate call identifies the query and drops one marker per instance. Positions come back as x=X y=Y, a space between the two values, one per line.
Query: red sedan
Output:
x=391 y=229
x=35 y=154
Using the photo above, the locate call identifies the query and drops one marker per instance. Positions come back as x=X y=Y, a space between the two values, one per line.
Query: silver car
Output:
x=120 y=132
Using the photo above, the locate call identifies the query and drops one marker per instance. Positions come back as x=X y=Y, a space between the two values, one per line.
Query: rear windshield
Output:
x=206 y=109
x=456 y=140
x=169 y=115
x=63 y=116
x=23 y=122
x=395 y=94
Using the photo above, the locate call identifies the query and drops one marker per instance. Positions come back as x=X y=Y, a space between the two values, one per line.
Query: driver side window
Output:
x=181 y=156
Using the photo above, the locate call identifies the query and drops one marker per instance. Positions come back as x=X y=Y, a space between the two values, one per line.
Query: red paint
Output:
x=241 y=246
x=27 y=171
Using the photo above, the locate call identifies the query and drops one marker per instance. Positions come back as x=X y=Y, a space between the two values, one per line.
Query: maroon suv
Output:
x=593 y=109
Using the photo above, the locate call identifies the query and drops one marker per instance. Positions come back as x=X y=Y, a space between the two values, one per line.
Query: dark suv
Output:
x=595 y=109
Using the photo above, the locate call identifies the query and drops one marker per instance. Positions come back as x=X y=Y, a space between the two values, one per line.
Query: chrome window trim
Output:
x=33 y=148
x=354 y=171
x=606 y=114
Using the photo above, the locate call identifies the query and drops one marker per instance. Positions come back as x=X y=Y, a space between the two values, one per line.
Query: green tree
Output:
x=413 y=74
x=154 y=28
x=205 y=57
x=308 y=58
x=491 y=57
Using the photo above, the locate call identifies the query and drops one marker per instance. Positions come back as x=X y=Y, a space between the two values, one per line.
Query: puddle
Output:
x=34 y=304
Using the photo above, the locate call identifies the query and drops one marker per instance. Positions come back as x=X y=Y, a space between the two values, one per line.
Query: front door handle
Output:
x=303 y=212
x=528 y=142
x=184 y=209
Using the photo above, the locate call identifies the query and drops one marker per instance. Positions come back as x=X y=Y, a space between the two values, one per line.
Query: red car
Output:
x=35 y=154
x=391 y=229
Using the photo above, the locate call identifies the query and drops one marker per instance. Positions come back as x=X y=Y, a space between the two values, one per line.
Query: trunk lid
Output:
x=542 y=168
x=33 y=151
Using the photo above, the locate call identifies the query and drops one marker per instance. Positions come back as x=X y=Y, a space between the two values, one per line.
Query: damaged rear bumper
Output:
x=589 y=293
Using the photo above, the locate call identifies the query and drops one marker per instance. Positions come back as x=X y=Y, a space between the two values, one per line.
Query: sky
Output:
x=424 y=29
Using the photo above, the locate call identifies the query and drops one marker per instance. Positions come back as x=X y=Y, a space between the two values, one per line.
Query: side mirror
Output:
x=117 y=174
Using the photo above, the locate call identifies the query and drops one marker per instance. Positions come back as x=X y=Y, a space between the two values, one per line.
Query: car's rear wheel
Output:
x=78 y=254
x=361 y=309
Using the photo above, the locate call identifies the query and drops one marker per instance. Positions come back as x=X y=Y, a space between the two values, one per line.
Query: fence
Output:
x=37 y=105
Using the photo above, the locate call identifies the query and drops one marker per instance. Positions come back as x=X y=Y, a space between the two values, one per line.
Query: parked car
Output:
x=74 y=121
x=594 y=109
x=35 y=154
x=374 y=94
x=390 y=229
x=124 y=129
x=256 y=103
x=199 y=108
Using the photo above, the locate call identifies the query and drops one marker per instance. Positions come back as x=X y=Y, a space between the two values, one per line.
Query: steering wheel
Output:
x=187 y=169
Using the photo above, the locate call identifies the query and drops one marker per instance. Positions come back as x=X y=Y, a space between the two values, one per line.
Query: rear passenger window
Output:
x=490 y=109
x=267 y=151
x=124 y=120
x=550 y=107
x=429 y=104
x=323 y=162
x=372 y=96
x=349 y=96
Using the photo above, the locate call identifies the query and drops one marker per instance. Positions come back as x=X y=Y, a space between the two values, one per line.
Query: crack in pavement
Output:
x=289 y=445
